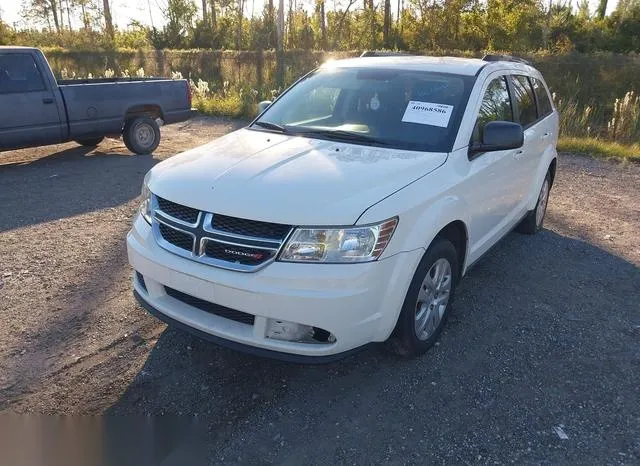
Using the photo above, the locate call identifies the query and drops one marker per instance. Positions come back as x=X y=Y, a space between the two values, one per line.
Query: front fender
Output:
x=423 y=210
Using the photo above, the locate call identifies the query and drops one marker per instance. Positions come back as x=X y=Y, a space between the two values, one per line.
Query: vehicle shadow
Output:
x=545 y=323
x=69 y=182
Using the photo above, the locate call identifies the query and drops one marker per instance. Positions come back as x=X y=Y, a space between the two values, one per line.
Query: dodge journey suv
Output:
x=350 y=209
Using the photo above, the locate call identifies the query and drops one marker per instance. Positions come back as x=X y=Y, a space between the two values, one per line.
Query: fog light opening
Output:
x=323 y=336
x=291 y=331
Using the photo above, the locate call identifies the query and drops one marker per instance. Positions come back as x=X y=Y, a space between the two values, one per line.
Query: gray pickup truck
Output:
x=36 y=110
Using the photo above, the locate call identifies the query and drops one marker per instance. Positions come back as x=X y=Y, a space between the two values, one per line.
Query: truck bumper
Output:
x=178 y=116
x=356 y=303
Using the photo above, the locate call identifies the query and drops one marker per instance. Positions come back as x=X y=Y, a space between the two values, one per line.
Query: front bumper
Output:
x=357 y=303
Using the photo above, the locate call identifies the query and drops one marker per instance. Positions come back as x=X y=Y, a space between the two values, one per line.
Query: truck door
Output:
x=28 y=111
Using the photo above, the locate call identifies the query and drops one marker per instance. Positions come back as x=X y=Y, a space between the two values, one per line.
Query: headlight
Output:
x=145 y=197
x=338 y=245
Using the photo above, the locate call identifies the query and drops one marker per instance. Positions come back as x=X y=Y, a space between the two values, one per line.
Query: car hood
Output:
x=288 y=179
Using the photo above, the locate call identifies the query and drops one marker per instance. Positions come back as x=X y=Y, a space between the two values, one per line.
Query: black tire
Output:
x=141 y=135
x=93 y=142
x=531 y=224
x=405 y=339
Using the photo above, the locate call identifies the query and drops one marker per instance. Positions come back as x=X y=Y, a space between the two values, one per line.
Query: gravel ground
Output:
x=545 y=333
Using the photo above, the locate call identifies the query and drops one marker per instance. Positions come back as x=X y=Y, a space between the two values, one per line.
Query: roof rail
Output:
x=498 y=57
x=383 y=53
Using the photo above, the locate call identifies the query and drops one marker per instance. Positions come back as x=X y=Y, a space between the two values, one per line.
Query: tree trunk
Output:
x=372 y=18
x=602 y=9
x=108 y=21
x=61 y=10
x=205 y=19
x=54 y=11
x=68 y=14
x=239 y=26
x=386 y=37
x=323 y=26
x=280 y=27
x=272 y=38
x=291 y=31
x=214 y=18
x=85 y=18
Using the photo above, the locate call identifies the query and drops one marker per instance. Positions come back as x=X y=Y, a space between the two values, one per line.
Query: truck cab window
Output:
x=19 y=73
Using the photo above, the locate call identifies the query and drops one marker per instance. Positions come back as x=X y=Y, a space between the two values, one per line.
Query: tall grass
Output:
x=595 y=128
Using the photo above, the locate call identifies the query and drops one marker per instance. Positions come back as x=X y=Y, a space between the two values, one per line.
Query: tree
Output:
x=239 y=25
x=108 y=21
x=205 y=19
x=281 y=25
x=43 y=11
x=602 y=9
x=386 y=37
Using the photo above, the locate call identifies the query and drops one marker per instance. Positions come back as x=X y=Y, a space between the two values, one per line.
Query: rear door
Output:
x=528 y=157
x=29 y=114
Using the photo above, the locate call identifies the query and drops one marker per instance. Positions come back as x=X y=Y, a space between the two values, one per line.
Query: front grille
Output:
x=181 y=212
x=238 y=254
x=176 y=237
x=210 y=307
x=241 y=226
x=218 y=240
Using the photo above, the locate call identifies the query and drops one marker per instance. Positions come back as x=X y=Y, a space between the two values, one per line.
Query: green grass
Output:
x=231 y=105
x=599 y=148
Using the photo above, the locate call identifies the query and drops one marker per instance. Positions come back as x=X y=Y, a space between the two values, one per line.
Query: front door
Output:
x=28 y=110
x=491 y=190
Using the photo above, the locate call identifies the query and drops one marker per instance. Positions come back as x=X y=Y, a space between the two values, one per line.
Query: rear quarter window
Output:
x=544 y=102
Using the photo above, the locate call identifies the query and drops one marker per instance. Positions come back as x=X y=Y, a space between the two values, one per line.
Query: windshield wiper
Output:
x=338 y=134
x=272 y=126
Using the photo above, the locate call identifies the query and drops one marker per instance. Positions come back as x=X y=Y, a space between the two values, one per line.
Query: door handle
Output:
x=47 y=100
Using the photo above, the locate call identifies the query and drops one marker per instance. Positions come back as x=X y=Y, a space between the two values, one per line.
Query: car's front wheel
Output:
x=428 y=301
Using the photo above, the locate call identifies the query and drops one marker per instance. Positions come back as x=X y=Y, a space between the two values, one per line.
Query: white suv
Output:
x=349 y=210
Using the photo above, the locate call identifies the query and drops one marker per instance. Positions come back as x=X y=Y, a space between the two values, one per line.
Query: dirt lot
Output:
x=545 y=332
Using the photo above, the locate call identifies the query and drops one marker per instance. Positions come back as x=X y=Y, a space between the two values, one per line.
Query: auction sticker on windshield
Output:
x=427 y=113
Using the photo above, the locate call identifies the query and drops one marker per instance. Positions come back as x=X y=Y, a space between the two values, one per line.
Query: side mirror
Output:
x=499 y=135
x=262 y=106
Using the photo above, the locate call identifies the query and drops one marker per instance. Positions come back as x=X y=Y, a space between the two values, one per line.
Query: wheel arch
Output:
x=150 y=110
x=552 y=169
x=456 y=232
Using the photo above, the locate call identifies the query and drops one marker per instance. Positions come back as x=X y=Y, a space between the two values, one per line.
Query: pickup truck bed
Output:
x=43 y=111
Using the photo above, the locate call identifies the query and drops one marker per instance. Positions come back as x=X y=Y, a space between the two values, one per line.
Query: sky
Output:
x=146 y=11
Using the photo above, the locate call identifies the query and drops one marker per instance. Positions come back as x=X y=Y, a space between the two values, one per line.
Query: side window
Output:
x=525 y=101
x=544 y=103
x=19 y=73
x=496 y=106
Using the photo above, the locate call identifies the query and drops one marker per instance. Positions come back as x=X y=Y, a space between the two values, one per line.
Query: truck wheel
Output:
x=141 y=135
x=93 y=142
x=428 y=301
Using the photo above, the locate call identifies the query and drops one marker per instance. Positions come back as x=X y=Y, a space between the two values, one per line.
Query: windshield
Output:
x=414 y=110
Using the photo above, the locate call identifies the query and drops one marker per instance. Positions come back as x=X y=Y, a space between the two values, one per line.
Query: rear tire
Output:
x=428 y=300
x=141 y=135
x=532 y=223
x=92 y=142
